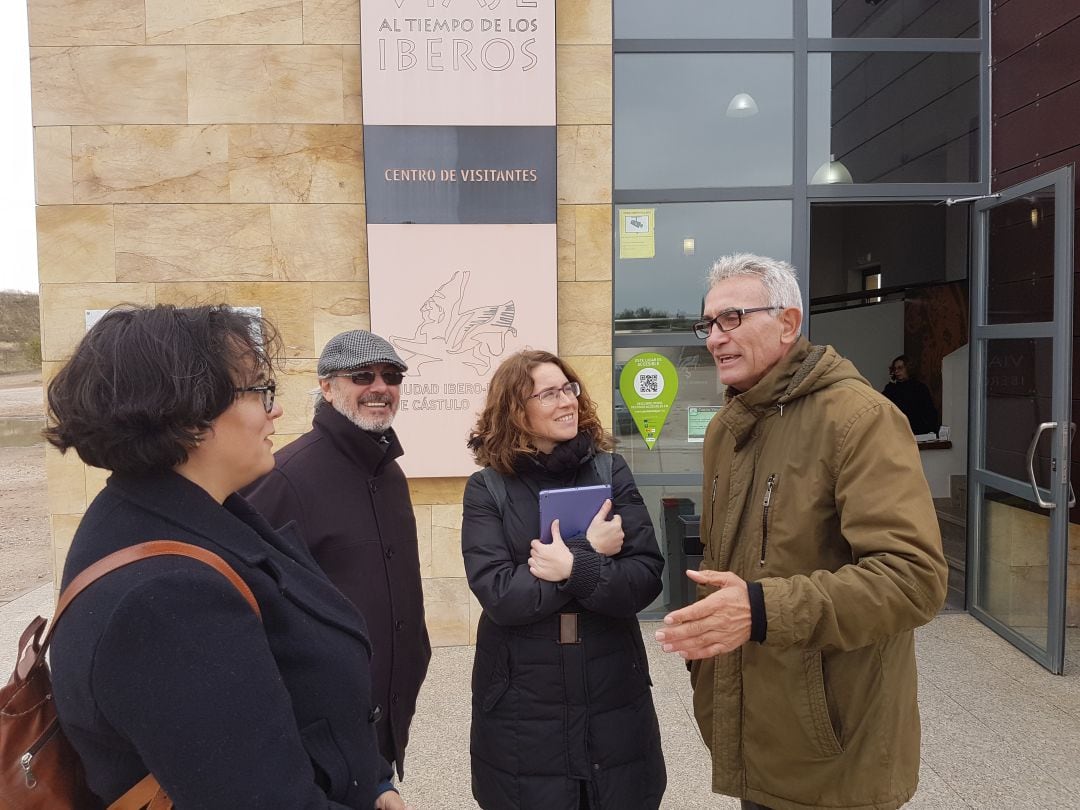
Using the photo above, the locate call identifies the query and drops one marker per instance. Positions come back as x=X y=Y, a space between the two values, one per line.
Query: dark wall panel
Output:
x=1015 y=24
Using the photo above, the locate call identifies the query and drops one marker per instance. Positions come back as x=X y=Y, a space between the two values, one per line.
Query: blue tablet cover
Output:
x=575 y=507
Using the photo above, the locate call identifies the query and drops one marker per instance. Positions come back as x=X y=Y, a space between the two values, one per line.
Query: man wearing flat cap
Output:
x=343 y=488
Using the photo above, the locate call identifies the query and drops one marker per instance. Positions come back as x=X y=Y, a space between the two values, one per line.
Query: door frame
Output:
x=1059 y=331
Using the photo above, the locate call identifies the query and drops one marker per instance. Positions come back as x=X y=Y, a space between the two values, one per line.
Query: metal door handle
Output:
x=1031 y=464
x=1072 y=493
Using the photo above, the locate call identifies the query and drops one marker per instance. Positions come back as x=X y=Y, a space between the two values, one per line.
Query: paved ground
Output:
x=998 y=730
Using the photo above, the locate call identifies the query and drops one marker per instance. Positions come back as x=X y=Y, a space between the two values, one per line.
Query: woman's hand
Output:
x=551 y=562
x=391 y=800
x=605 y=536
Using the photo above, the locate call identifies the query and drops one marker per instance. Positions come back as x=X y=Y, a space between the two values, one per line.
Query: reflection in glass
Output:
x=1014 y=571
x=894 y=117
x=673 y=129
x=643 y=303
x=732 y=19
x=1020 y=283
x=1018 y=392
x=926 y=18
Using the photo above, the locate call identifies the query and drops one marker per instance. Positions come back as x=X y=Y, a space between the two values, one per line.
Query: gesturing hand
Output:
x=391 y=800
x=552 y=561
x=605 y=536
x=717 y=624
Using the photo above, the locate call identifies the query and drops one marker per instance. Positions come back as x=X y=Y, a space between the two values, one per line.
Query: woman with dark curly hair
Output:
x=562 y=712
x=162 y=666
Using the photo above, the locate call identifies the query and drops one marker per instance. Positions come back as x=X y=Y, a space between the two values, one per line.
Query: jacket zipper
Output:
x=712 y=504
x=769 y=484
x=26 y=760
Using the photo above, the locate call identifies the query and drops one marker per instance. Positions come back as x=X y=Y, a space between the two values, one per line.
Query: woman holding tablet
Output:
x=562 y=712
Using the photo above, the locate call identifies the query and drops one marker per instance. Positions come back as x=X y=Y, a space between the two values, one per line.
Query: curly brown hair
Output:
x=501 y=434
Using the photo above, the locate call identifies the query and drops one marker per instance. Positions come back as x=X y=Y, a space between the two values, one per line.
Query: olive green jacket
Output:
x=813 y=487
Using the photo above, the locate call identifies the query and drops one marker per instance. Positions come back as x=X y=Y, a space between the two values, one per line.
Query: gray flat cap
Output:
x=354 y=349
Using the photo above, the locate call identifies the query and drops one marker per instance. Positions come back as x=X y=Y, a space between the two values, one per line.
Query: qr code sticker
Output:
x=650 y=383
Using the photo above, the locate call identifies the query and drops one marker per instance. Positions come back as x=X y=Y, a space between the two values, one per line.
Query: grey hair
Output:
x=777 y=277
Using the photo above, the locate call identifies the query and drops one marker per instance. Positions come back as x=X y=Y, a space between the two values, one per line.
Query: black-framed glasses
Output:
x=726 y=321
x=268 y=391
x=367 y=377
x=550 y=396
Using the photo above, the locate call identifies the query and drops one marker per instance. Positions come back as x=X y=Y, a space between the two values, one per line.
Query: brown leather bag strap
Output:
x=143 y=551
x=142 y=794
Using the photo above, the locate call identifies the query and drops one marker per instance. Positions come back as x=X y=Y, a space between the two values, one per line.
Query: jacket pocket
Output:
x=491 y=676
x=827 y=735
x=331 y=768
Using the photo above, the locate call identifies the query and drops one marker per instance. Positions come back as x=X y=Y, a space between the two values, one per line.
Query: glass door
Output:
x=1021 y=376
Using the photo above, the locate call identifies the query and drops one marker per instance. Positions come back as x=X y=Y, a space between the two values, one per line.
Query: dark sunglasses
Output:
x=368 y=377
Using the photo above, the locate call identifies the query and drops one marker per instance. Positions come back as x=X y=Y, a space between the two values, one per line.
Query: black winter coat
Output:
x=163 y=666
x=350 y=501
x=547 y=717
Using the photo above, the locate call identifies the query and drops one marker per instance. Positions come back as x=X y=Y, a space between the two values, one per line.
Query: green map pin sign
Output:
x=648 y=384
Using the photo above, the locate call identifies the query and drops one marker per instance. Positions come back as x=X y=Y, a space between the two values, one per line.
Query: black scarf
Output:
x=564 y=457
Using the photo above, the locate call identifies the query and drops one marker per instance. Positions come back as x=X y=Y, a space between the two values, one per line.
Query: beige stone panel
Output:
x=475 y=611
x=423 y=538
x=63 y=311
x=593 y=243
x=584 y=164
x=63 y=529
x=319 y=242
x=595 y=373
x=296 y=381
x=189 y=242
x=150 y=164
x=95 y=479
x=339 y=307
x=86 y=22
x=67 y=486
x=288 y=306
x=565 y=241
x=583 y=22
x=585 y=318
x=332 y=21
x=190 y=293
x=350 y=68
x=75 y=243
x=109 y=85
x=52 y=166
x=437 y=490
x=301 y=163
x=446 y=606
x=446 y=559
x=223 y=22
x=583 y=92
x=265 y=84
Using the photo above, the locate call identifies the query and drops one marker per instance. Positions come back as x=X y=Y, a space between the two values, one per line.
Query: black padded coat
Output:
x=548 y=717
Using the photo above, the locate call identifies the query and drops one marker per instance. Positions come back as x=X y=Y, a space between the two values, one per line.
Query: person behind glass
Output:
x=162 y=666
x=562 y=712
x=911 y=397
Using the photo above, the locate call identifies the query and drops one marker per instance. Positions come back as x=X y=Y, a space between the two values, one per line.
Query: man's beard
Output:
x=348 y=408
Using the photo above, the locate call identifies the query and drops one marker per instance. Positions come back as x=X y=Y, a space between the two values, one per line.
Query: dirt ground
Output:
x=25 y=549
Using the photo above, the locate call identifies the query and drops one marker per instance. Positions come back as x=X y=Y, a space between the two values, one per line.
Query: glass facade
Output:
x=731 y=120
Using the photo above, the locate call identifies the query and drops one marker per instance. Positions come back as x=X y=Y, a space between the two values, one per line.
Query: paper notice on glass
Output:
x=637 y=233
x=697 y=421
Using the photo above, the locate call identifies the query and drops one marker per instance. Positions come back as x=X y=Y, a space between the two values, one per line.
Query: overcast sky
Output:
x=18 y=265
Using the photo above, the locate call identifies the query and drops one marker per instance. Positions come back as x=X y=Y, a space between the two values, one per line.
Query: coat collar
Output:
x=237 y=529
x=742 y=411
x=359 y=446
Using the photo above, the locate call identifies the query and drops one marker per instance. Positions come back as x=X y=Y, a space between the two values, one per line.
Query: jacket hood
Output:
x=803 y=370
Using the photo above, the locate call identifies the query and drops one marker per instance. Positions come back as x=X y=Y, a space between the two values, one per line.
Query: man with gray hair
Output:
x=822 y=554
x=342 y=488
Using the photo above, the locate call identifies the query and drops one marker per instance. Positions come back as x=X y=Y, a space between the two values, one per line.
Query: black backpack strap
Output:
x=602 y=463
x=493 y=480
